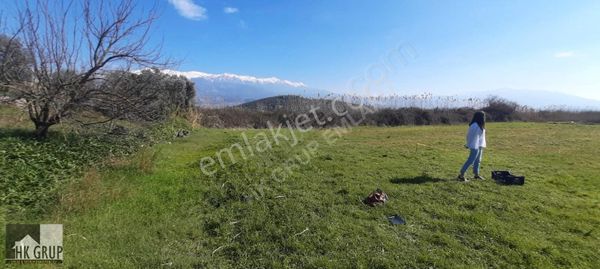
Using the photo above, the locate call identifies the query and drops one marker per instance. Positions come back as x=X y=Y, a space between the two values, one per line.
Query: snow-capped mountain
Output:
x=232 y=89
x=233 y=77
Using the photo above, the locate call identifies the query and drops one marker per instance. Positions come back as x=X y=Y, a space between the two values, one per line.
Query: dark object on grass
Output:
x=505 y=177
x=182 y=133
x=375 y=198
x=396 y=220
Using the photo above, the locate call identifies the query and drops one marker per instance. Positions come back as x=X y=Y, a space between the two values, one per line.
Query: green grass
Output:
x=159 y=211
x=33 y=171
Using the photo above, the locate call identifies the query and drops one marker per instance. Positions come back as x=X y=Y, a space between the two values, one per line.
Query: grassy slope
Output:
x=130 y=217
x=32 y=171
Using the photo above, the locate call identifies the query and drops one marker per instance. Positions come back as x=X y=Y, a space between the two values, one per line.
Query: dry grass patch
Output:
x=87 y=193
x=146 y=160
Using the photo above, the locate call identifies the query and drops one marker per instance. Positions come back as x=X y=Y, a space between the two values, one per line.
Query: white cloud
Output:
x=188 y=9
x=564 y=54
x=230 y=10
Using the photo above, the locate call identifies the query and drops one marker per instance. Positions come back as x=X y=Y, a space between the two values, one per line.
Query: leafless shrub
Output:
x=499 y=109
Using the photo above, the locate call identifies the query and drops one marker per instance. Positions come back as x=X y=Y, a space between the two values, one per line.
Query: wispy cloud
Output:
x=230 y=10
x=243 y=24
x=564 y=54
x=188 y=9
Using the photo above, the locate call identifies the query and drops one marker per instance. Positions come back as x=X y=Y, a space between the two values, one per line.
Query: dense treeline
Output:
x=278 y=110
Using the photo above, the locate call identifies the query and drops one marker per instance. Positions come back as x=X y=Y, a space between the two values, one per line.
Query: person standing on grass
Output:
x=475 y=143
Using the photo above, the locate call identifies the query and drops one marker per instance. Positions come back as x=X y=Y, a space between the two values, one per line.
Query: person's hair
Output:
x=479 y=118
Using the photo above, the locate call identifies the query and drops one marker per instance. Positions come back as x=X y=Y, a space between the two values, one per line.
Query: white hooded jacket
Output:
x=476 y=137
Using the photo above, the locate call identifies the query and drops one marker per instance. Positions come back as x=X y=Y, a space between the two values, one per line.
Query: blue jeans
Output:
x=474 y=159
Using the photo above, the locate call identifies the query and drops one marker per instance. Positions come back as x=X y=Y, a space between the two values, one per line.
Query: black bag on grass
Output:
x=505 y=177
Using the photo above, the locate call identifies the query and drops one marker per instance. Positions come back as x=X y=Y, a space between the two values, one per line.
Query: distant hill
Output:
x=541 y=99
x=294 y=104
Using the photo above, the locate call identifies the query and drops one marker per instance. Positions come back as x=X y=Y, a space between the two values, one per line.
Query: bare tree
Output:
x=71 y=47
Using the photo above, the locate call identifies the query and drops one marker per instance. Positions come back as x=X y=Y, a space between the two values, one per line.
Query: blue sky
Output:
x=460 y=46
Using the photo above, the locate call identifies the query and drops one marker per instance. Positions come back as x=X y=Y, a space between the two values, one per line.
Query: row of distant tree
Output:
x=283 y=109
x=78 y=56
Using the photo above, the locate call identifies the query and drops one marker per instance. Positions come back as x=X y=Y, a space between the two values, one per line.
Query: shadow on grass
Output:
x=416 y=180
x=25 y=134
x=21 y=133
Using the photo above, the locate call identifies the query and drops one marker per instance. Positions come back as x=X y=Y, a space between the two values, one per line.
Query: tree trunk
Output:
x=41 y=130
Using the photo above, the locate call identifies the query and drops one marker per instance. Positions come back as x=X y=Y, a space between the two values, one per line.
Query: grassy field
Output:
x=158 y=210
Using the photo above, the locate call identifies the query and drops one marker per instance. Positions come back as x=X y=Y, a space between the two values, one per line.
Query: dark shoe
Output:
x=479 y=177
x=461 y=178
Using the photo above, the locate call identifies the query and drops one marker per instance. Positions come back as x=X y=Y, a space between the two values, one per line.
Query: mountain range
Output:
x=232 y=89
